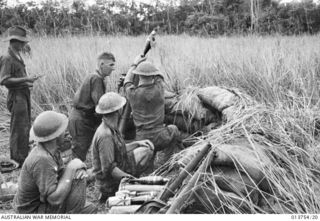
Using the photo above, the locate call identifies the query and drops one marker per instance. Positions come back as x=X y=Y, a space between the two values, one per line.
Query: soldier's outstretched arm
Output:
x=118 y=174
x=13 y=81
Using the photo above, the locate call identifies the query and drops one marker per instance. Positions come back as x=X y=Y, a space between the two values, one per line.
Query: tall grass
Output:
x=280 y=73
x=275 y=70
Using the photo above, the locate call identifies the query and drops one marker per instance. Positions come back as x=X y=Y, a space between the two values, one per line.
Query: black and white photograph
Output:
x=159 y=107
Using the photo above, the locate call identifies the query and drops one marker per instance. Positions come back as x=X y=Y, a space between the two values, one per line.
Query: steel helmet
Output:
x=110 y=102
x=48 y=125
x=146 y=69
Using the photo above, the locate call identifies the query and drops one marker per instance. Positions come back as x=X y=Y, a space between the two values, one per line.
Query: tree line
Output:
x=200 y=17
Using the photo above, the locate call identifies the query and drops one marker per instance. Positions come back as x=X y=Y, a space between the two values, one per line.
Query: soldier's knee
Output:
x=174 y=130
x=142 y=156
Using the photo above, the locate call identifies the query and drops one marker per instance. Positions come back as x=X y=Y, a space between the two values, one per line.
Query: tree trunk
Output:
x=252 y=16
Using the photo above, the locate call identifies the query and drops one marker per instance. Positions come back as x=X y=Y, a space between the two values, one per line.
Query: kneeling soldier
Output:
x=45 y=186
x=147 y=102
x=113 y=159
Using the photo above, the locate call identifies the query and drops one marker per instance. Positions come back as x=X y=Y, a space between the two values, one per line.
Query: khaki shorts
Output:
x=162 y=138
x=139 y=161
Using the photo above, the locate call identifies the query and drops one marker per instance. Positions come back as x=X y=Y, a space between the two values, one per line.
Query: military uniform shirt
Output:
x=38 y=179
x=147 y=103
x=12 y=66
x=108 y=151
x=88 y=95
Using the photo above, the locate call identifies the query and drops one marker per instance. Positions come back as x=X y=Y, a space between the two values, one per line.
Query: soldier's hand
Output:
x=128 y=177
x=139 y=59
x=81 y=174
x=34 y=78
x=121 y=81
x=153 y=42
x=146 y=143
x=76 y=164
x=29 y=84
x=152 y=38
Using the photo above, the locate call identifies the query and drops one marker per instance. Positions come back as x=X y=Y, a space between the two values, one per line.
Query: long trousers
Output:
x=82 y=129
x=18 y=103
x=138 y=162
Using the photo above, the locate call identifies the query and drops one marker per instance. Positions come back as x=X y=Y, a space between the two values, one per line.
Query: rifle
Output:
x=125 y=118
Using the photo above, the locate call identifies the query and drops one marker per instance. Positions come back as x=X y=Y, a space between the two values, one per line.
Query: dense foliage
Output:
x=205 y=17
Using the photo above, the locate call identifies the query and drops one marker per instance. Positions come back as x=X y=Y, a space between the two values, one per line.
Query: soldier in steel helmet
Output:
x=148 y=108
x=45 y=185
x=83 y=120
x=14 y=77
x=113 y=159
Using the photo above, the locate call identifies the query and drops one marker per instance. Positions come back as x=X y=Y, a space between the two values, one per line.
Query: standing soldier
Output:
x=147 y=103
x=13 y=75
x=83 y=120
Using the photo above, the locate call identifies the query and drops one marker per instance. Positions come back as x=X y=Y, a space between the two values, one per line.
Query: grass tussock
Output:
x=282 y=145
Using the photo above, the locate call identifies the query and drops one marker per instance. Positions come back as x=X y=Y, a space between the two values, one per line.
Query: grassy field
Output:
x=272 y=69
x=281 y=72
x=275 y=70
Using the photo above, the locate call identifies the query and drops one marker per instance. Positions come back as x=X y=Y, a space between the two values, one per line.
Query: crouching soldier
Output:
x=147 y=102
x=44 y=185
x=113 y=159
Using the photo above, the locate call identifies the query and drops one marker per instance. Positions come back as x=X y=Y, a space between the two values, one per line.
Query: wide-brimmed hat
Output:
x=48 y=125
x=17 y=33
x=110 y=102
x=146 y=69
